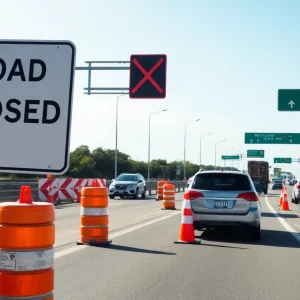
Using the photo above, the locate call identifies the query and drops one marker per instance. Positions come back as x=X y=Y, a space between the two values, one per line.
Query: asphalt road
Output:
x=144 y=263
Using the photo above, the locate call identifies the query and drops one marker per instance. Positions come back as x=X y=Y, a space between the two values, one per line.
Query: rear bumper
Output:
x=251 y=219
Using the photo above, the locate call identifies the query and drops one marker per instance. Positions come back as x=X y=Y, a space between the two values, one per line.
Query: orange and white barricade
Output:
x=94 y=216
x=168 y=196
x=26 y=248
x=160 y=189
x=48 y=187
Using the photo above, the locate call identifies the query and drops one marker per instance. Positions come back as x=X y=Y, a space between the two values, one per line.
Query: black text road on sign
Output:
x=148 y=74
x=36 y=95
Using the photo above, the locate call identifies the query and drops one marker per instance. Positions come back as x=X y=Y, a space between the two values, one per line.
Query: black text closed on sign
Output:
x=148 y=76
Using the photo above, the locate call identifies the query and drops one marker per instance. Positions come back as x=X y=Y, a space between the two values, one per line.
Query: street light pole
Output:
x=150 y=140
x=116 y=147
x=185 y=144
x=200 y=151
x=216 y=152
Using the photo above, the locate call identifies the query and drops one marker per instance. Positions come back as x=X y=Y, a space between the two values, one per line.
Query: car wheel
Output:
x=122 y=197
x=144 y=194
x=136 y=196
x=296 y=201
x=255 y=233
x=112 y=197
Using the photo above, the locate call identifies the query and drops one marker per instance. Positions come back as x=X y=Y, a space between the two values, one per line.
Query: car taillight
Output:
x=298 y=186
x=249 y=196
x=191 y=195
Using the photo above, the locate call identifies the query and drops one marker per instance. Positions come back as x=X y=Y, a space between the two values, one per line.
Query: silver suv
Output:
x=128 y=185
x=222 y=199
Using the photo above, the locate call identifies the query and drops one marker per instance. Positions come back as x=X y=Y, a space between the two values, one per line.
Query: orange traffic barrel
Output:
x=27 y=236
x=168 y=196
x=160 y=188
x=94 y=216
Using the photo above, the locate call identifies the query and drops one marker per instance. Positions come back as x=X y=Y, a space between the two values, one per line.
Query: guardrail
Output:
x=10 y=189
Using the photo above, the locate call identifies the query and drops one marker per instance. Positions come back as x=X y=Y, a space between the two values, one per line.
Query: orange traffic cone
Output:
x=94 y=183
x=25 y=195
x=281 y=197
x=50 y=196
x=168 y=182
x=285 y=203
x=186 y=233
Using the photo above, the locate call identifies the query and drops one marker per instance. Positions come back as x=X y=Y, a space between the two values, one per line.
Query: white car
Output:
x=296 y=192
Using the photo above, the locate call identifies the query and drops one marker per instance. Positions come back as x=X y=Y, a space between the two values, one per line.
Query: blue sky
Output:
x=226 y=62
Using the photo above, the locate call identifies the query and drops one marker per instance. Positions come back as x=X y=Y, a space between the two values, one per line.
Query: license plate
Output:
x=220 y=204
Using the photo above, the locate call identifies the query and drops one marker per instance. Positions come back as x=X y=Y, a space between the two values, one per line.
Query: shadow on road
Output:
x=271 y=215
x=273 y=238
x=63 y=206
x=140 y=250
x=220 y=246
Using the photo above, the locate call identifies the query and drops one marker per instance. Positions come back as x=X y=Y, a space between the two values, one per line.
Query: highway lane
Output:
x=146 y=264
x=123 y=213
x=293 y=215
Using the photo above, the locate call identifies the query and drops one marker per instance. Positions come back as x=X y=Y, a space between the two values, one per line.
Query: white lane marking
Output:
x=114 y=235
x=283 y=222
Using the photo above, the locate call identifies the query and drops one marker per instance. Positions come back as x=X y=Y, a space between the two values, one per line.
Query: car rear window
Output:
x=278 y=181
x=221 y=182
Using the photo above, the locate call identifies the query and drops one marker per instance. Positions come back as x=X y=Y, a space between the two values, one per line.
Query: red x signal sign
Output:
x=148 y=76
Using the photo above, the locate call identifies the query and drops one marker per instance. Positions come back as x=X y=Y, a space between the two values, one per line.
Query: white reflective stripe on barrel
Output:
x=40 y=297
x=169 y=191
x=94 y=226
x=26 y=260
x=169 y=197
x=169 y=201
x=88 y=211
x=187 y=220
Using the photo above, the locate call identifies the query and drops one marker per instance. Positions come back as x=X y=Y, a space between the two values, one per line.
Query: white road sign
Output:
x=36 y=94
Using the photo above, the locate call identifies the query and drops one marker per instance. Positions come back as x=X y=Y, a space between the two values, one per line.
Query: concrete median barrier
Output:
x=10 y=189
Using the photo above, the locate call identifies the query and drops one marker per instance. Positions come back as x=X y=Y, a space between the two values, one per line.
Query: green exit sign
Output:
x=256 y=153
x=282 y=160
x=272 y=138
x=288 y=100
x=230 y=157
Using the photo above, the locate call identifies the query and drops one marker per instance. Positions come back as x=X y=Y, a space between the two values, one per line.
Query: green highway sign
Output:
x=288 y=100
x=271 y=138
x=282 y=160
x=256 y=153
x=230 y=157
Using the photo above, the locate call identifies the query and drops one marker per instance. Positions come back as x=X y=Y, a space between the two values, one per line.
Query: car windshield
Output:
x=126 y=178
x=222 y=182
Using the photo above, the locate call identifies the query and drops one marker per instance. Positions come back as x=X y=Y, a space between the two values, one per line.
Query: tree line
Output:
x=100 y=163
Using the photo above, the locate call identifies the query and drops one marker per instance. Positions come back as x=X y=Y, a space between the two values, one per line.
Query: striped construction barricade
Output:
x=94 y=216
x=27 y=236
x=168 y=196
x=160 y=188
